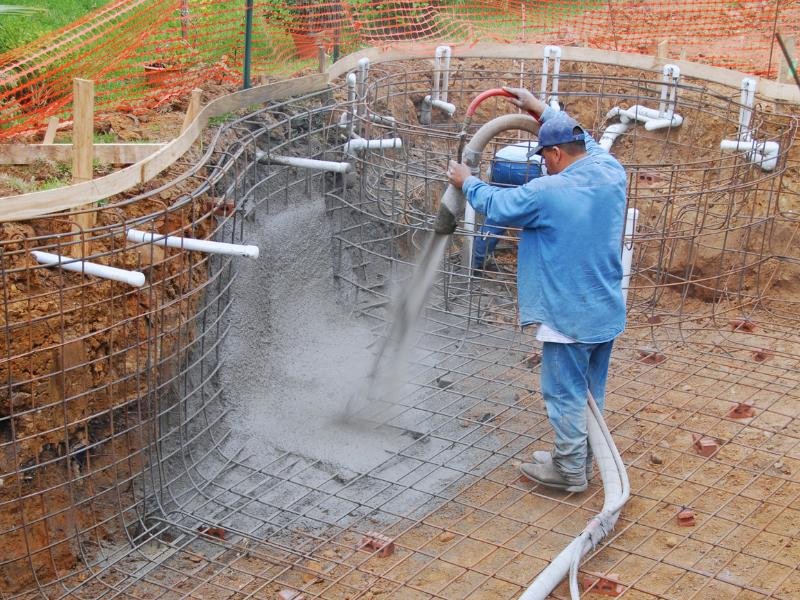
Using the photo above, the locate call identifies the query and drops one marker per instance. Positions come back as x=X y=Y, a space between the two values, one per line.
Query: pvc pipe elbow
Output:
x=611 y=133
x=552 y=50
x=671 y=70
x=764 y=161
x=446 y=107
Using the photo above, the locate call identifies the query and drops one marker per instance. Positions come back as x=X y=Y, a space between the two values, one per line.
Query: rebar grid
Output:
x=182 y=510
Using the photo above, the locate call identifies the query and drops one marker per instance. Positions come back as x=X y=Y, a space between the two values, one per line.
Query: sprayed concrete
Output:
x=295 y=356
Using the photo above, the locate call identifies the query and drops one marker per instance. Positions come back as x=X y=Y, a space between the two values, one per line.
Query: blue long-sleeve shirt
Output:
x=569 y=267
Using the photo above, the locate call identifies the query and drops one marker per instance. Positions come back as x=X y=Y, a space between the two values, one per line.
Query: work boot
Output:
x=548 y=475
x=542 y=456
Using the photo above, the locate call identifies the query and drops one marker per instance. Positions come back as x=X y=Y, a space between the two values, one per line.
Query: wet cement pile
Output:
x=295 y=356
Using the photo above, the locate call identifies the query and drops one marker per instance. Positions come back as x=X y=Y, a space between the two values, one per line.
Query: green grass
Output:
x=19 y=30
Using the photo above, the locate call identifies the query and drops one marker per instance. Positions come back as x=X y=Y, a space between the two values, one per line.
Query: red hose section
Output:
x=473 y=106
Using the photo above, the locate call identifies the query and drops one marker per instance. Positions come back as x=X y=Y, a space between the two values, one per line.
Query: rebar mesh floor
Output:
x=463 y=523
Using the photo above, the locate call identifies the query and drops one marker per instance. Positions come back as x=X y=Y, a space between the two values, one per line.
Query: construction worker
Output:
x=569 y=273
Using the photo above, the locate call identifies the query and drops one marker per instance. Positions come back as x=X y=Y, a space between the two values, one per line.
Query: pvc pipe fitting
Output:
x=134 y=278
x=652 y=118
x=426 y=109
x=611 y=133
x=763 y=154
x=192 y=244
x=305 y=163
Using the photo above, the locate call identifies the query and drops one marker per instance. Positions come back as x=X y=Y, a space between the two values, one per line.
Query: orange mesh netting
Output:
x=142 y=53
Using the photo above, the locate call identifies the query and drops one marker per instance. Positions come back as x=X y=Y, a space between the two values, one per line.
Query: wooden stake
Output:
x=323 y=59
x=50 y=134
x=662 y=49
x=192 y=110
x=82 y=141
x=83 y=130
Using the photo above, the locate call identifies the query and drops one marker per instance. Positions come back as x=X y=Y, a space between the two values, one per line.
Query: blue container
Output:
x=512 y=166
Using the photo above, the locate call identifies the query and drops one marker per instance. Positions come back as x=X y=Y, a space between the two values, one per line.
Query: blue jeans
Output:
x=568 y=372
x=483 y=245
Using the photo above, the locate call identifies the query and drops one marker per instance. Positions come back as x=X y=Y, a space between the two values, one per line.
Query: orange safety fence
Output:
x=145 y=53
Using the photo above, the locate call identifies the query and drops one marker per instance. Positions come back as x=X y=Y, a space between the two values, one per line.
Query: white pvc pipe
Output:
x=358 y=144
x=669 y=89
x=748 y=98
x=437 y=71
x=446 y=107
x=363 y=75
x=192 y=244
x=349 y=117
x=627 y=251
x=382 y=119
x=445 y=74
x=134 y=278
x=305 y=163
x=556 y=52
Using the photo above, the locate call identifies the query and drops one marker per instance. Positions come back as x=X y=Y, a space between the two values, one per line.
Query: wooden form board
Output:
x=36 y=204
x=115 y=154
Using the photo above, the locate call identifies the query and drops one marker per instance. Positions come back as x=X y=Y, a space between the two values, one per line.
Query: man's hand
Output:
x=526 y=101
x=457 y=173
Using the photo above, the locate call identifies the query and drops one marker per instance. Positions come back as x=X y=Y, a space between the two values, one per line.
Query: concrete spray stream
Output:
x=386 y=375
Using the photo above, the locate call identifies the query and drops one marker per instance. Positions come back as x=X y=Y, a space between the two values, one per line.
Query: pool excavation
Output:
x=310 y=392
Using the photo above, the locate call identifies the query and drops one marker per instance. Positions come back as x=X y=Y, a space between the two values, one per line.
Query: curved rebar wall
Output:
x=124 y=475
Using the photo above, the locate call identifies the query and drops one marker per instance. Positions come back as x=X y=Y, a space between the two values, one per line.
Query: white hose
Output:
x=617 y=491
x=134 y=278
